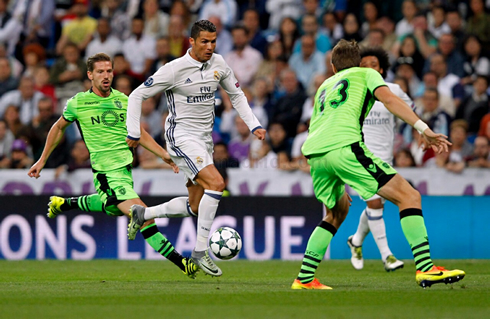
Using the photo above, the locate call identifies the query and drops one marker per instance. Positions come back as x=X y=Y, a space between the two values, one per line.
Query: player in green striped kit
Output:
x=338 y=156
x=100 y=114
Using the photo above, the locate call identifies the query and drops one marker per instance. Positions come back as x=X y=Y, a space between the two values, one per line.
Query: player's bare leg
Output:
x=212 y=185
x=318 y=244
x=408 y=200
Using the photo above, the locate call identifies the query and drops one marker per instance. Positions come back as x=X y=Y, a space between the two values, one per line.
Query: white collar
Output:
x=194 y=62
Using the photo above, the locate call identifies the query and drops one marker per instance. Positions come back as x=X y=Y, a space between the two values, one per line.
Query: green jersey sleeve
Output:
x=70 y=110
x=373 y=81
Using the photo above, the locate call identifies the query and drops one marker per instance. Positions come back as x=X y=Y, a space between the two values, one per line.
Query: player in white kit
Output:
x=190 y=83
x=379 y=135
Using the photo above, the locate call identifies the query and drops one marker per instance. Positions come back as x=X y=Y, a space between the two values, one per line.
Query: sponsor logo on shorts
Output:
x=385 y=165
x=372 y=168
x=199 y=160
x=216 y=76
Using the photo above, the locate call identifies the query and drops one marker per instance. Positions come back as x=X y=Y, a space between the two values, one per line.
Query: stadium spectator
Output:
x=15 y=66
x=67 y=74
x=6 y=140
x=448 y=83
x=280 y=144
x=182 y=8
x=332 y=28
x=311 y=27
x=405 y=26
x=267 y=67
x=310 y=101
x=10 y=28
x=12 y=118
x=124 y=83
x=36 y=17
x=25 y=98
x=388 y=27
x=475 y=106
x=432 y=114
x=351 y=28
x=479 y=23
x=261 y=101
x=79 y=158
x=461 y=148
x=148 y=160
x=454 y=21
x=374 y=38
x=404 y=158
x=289 y=107
x=251 y=21
x=454 y=60
x=442 y=160
x=7 y=81
x=476 y=63
x=239 y=146
x=310 y=7
x=225 y=9
x=41 y=84
x=78 y=31
x=430 y=80
x=139 y=49
x=179 y=42
x=103 y=40
x=224 y=40
x=425 y=41
x=120 y=21
x=298 y=160
x=243 y=59
x=34 y=56
x=150 y=115
x=370 y=12
x=156 y=21
x=438 y=25
x=19 y=159
x=308 y=62
x=280 y=9
x=37 y=132
x=485 y=126
x=222 y=158
x=163 y=54
x=288 y=34
x=481 y=153
x=122 y=67
x=404 y=69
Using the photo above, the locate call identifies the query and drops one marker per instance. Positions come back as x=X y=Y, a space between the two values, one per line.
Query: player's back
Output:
x=102 y=122
x=341 y=104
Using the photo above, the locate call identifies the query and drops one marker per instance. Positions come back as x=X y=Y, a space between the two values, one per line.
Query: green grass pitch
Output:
x=157 y=289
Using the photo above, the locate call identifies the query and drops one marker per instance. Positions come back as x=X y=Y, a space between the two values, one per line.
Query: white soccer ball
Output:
x=225 y=243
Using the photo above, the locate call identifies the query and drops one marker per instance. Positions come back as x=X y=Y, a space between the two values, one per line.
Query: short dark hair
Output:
x=202 y=25
x=97 y=58
x=346 y=55
x=433 y=90
x=381 y=55
x=240 y=26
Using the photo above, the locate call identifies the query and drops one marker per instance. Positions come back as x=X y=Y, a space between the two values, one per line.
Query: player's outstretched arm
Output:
x=150 y=144
x=399 y=108
x=162 y=80
x=54 y=137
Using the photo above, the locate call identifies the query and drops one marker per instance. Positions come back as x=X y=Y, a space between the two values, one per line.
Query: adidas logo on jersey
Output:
x=188 y=81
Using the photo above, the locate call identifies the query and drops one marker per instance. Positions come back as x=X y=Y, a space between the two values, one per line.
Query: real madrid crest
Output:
x=216 y=75
x=199 y=160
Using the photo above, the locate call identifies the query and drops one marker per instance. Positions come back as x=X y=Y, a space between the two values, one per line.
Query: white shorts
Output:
x=192 y=156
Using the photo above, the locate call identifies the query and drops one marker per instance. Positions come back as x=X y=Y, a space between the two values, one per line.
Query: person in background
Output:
x=222 y=158
x=138 y=49
x=308 y=62
x=25 y=98
x=6 y=140
x=404 y=158
x=224 y=42
x=79 y=158
x=481 y=153
x=104 y=40
x=288 y=34
x=475 y=106
x=7 y=81
x=332 y=28
x=19 y=159
x=156 y=21
x=476 y=63
x=461 y=148
x=256 y=40
x=351 y=28
x=405 y=26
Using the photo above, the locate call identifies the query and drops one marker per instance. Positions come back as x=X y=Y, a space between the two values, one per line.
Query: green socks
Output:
x=87 y=203
x=161 y=244
x=315 y=250
x=415 y=232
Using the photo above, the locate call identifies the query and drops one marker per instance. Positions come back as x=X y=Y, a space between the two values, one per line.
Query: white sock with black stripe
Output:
x=176 y=207
x=207 y=210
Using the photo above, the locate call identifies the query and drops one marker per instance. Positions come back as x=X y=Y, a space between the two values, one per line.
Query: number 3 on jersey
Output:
x=342 y=87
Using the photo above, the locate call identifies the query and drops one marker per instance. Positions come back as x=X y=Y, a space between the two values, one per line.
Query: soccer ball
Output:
x=225 y=243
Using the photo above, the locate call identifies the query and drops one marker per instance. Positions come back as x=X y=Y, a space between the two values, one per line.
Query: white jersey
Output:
x=190 y=88
x=379 y=126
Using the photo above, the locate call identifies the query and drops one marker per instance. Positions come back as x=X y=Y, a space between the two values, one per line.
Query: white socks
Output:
x=176 y=207
x=377 y=226
x=207 y=210
x=362 y=230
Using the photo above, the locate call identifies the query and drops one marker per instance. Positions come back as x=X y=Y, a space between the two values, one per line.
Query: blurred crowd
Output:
x=280 y=53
